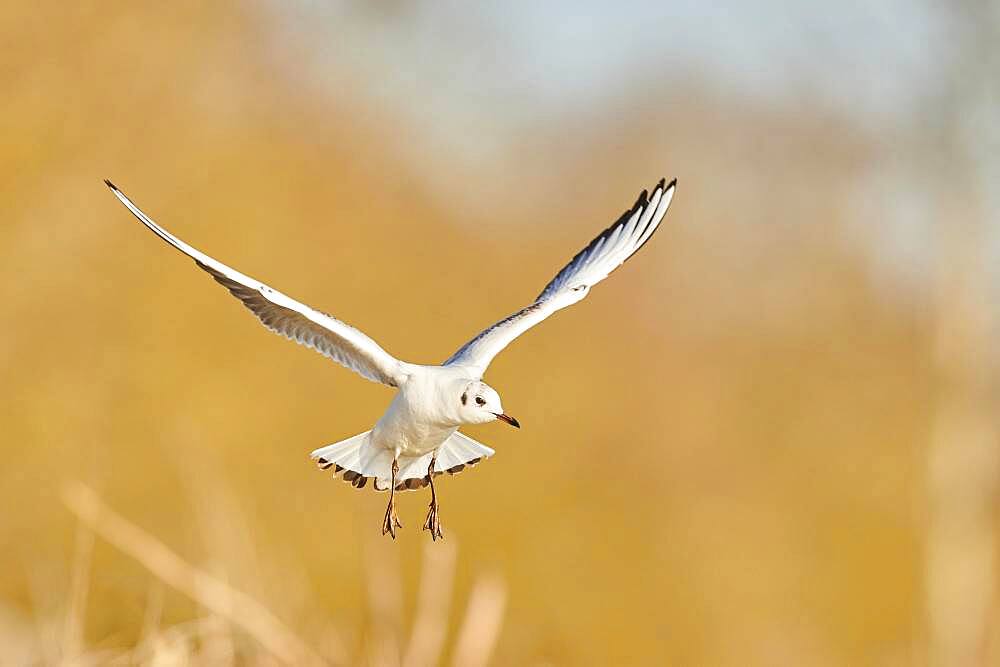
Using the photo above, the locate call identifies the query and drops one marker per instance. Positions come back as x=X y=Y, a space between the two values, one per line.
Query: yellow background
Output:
x=724 y=452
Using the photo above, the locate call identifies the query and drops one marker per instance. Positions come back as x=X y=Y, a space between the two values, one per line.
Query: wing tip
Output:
x=665 y=186
x=667 y=191
x=643 y=199
x=111 y=185
x=640 y=203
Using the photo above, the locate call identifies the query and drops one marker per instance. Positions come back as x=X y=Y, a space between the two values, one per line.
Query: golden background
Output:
x=727 y=453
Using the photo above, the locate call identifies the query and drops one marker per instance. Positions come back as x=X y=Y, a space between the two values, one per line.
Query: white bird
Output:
x=417 y=438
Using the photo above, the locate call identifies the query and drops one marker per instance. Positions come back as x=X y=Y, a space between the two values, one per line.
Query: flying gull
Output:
x=417 y=438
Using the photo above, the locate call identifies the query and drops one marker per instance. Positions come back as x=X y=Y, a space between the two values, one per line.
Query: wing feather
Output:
x=286 y=316
x=605 y=253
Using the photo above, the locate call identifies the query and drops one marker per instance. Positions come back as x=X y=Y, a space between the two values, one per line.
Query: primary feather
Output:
x=604 y=254
x=286 y=316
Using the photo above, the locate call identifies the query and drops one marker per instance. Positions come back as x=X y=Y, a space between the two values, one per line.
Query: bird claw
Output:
x=391 y=522
x=433 y=522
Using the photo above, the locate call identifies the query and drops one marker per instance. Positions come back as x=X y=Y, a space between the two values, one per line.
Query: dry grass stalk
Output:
x=385 y=603
x=481 y=627
x=229 y=603
x=72 y=642
x=430 y=626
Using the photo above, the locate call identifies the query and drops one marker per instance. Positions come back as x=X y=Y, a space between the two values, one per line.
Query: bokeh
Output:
x=770 y=438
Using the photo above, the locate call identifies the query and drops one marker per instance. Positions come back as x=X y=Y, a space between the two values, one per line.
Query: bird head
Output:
x=479 y=403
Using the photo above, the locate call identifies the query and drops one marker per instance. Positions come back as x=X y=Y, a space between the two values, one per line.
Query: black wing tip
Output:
x=643 y=199
x=640 y=203
x=670 y=186
x=111 y=185
x=666 y=187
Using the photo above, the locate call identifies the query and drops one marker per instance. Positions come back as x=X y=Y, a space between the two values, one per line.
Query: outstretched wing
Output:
x=590 y=266
x=286 y=316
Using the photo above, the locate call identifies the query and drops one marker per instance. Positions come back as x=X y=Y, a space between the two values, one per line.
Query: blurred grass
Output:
x=723 y=446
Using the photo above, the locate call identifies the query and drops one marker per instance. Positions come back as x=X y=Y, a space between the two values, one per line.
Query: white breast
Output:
x=417 y=420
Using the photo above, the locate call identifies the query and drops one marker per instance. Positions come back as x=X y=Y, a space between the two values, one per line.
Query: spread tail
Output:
x=360 y=461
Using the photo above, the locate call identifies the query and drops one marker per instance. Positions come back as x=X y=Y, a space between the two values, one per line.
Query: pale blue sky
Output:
x=474 y=76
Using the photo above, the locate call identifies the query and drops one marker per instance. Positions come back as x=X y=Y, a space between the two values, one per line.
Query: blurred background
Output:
x=770 y=439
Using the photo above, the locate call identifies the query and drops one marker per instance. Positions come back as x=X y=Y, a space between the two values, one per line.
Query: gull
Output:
x=417 y=438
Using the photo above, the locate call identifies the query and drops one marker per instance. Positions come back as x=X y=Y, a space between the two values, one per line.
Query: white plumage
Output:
x=417 y=438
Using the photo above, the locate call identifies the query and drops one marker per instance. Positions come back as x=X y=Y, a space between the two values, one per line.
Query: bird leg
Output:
x=391 y=522
x=433 y=522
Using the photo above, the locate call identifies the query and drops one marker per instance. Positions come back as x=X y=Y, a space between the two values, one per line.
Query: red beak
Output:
x=510 y=420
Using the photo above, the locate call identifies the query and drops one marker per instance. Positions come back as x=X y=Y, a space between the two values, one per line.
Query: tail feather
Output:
x=359 y=461
x=460 y=451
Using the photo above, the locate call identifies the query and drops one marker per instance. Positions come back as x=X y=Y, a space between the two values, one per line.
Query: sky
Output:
x=876 y=62
x=473 y=78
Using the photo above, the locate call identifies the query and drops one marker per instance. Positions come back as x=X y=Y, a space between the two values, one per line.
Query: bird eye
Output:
x=480 y=401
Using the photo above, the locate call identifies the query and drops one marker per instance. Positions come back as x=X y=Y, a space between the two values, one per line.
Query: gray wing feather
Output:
x=286 y=316
x=606 y=252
